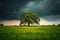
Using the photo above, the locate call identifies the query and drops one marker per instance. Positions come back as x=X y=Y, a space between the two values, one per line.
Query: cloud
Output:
x=10 y=22
x=52 y=18
x=46 y=22
x=12 y=9
x=17 y=22
x=34 y=6
x=47 y=9
x=43 y=7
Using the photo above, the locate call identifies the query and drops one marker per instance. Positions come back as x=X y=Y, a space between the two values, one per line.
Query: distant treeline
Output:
x=33 y=25
x=1 y=24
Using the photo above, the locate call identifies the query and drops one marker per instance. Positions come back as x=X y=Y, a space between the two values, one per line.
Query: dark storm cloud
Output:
x=44 y=7
x=11 y=9
x=48 y=9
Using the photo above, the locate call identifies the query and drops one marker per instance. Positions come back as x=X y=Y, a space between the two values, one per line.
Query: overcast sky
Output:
x=46 y=9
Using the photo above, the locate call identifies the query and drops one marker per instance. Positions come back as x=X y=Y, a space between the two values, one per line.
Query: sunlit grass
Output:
x=29 y=33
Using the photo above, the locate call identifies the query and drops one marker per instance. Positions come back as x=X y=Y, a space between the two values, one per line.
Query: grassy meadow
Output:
x=29 y=33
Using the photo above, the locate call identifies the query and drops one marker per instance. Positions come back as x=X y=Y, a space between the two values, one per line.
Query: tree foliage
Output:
x=58 y=24
x=29 y=18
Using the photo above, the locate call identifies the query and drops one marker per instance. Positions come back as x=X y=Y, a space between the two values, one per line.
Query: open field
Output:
x=30 y=33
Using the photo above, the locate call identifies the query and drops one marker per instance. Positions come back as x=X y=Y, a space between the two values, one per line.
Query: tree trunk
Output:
x=20 y=23
x=28 y=24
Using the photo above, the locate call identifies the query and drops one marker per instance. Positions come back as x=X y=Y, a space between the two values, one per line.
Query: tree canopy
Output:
x=29 y=18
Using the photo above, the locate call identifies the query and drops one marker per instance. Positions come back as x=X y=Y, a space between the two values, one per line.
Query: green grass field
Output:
x=30 y=33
